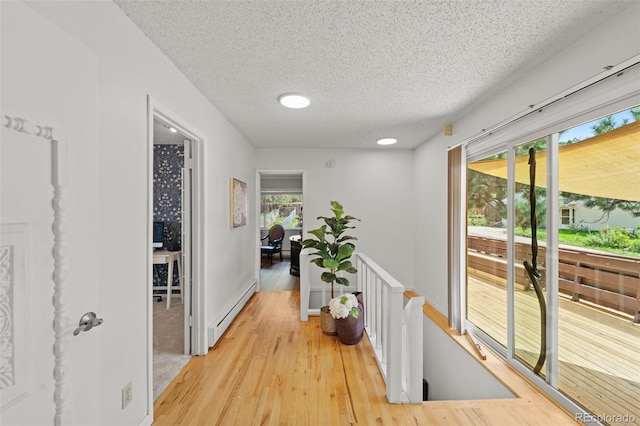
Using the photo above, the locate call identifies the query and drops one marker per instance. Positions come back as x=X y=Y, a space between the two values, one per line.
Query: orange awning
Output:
x=607 y=165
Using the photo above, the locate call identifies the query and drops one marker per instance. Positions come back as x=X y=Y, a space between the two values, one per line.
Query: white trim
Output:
x=59 y=181
x=511 y=215
x=198 y=334
x=258 y=195
x=551 y=264
x=149 y=280
x=612 y=90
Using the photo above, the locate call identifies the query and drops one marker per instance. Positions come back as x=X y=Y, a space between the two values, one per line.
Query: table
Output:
x=162 y=257
x=296 y=247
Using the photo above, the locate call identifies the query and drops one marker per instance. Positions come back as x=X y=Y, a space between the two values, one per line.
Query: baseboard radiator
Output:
x=223 y=321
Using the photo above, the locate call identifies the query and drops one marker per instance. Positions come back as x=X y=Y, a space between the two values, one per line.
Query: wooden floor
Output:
x=276 y=277
x=271 y=368
x=598 y=352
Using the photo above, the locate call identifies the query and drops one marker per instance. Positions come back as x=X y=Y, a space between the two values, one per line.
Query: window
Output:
x=566 y=216
x=557 y=300
x=283 y=209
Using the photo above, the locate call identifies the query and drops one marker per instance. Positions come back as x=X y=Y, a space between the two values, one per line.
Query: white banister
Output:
x=305 y=284
x=394 y=330
x=412 y=362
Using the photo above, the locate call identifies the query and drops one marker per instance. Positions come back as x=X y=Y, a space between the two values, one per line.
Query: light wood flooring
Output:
x=271 y=368
x=276 y=276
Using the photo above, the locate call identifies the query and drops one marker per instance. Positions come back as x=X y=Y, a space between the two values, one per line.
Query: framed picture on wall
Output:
x=238 y=203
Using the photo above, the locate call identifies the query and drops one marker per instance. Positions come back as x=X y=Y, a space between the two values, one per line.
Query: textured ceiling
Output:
x=371 y=68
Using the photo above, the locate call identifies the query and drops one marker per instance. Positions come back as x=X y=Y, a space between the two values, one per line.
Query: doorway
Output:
x=171 y=203
x=280 y=202
x=175 y=247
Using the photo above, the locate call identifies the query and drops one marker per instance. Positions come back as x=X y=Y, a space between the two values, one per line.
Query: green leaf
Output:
x=330 y=263
x=309 y=243
x=337 y=209
x=341 y=280
x=354 y=312
x=318 y=261
x=347 y=267
x=328 y=277
x=324 y=254
x=345 y=238
x=345 y=251
x=320 y=232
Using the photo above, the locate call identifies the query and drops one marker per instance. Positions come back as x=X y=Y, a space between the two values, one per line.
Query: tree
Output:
x=485 y=193
x=606 y=124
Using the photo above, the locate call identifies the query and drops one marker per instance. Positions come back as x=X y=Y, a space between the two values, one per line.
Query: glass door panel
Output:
x=487 y=246
x=599 y=266
x=530 y=232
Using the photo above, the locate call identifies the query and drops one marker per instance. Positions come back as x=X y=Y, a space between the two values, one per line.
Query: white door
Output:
x=47 y=375
x=26 y=286
x=187 y=176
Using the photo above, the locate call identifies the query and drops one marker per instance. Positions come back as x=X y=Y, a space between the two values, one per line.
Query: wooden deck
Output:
x=599 y=351
x=271 y=368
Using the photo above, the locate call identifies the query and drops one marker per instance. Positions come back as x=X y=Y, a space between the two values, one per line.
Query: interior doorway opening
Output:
x=281 y=213
x=175 y=248
x=171 y=203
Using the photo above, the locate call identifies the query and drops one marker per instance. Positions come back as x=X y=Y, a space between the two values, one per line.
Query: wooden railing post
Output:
x=413 y=326
x=394 y=349
x=305 y=284
x=396 y=336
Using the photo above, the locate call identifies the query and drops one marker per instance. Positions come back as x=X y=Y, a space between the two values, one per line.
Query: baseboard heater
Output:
x=220 y=326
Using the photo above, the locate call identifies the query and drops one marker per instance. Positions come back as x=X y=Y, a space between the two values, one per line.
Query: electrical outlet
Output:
x=127 y=395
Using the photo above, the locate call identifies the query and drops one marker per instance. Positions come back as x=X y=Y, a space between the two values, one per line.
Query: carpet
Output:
x=168 y=344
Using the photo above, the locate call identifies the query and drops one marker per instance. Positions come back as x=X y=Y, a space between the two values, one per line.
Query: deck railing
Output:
x=605 y=279
x=393 y=327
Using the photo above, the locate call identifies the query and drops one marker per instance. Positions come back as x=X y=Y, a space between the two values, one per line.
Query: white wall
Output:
x=452 y=374
x=610 y=44
x=129 y=68
x=375 y=185
x=593 y=219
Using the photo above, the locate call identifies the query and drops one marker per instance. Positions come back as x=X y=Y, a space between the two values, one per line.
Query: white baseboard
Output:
x=220 y=325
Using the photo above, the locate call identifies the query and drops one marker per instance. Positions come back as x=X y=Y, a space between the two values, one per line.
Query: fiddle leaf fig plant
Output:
x=332 y=249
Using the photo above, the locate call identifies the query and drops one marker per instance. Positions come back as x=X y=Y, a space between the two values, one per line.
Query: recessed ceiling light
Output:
x=172 y=129
x=387 y=141
x=293 y=100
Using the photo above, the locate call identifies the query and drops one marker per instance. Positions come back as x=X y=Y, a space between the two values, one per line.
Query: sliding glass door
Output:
x=553 y=262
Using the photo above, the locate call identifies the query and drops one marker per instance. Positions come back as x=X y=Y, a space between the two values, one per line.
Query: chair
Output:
x=274 y=242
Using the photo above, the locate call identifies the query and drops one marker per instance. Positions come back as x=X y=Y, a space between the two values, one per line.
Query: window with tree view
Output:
x=574 y=234
x=281 y=209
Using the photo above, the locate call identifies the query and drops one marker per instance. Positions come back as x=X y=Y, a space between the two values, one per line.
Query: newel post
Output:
x=393 y=344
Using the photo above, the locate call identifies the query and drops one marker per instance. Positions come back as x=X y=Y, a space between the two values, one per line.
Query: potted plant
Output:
x=347 y=310
x=332 y=254
x=174 y=236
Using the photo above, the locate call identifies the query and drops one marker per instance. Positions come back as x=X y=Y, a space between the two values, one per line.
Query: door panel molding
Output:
x=15 y=290
x=59 y=181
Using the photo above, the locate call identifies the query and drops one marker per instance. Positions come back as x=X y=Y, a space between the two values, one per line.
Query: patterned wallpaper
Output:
x=167 y=186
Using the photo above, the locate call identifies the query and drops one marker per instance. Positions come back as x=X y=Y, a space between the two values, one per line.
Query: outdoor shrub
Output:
x=616 y=238
x=635 y=246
